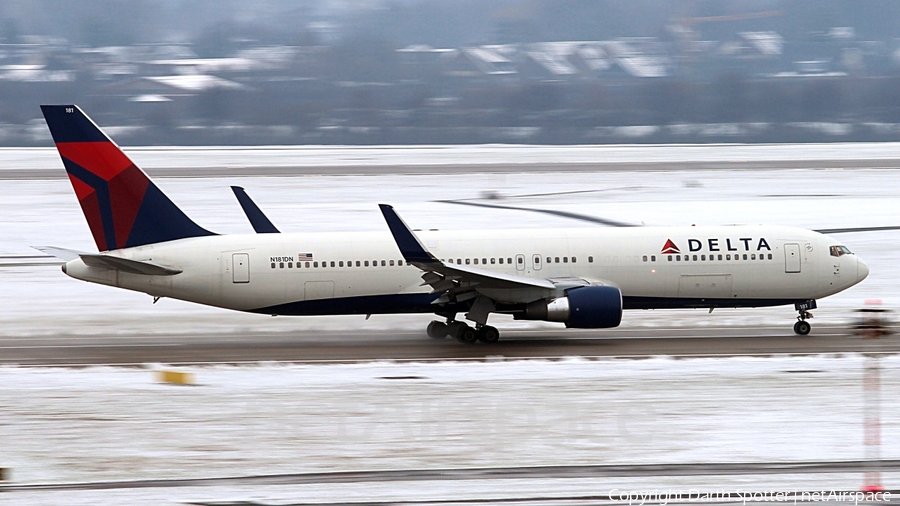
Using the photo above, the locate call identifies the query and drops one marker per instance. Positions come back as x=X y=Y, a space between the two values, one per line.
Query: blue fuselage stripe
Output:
x=422 y=303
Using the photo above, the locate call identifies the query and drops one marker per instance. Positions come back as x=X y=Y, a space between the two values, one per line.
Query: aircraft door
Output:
x=791 y=258
x=240 y=267
x=520 y=262
x=536 y=262
x=318 y=290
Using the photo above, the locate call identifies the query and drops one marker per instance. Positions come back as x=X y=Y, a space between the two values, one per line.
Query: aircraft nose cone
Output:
x=862 y=270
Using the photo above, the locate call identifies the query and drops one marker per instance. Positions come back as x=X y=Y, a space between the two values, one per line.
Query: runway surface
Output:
x=496 y=473
x=347 y=346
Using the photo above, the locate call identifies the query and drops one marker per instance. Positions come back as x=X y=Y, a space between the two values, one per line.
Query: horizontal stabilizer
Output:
x=126 y=265
x=110 y=262
x=60 y=253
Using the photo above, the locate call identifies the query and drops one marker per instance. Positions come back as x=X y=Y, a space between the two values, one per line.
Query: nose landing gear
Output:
x=802 y=327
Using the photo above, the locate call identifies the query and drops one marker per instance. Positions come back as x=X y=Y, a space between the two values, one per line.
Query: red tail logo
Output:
x=122 y=206
x=670 y=248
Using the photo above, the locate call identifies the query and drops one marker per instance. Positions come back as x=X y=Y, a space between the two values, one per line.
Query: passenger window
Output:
x=509 y=261
x=702 y=257
x=745 y=256
x=281 y=265
x=590 y=260
x=645 y=258
x=678 y=258
x=556 y=259
x=501 y=260
x=476 y=261
x=669 y=257
x=753 y=256
x=341 y=263
x=770 y=256
x=315 y=264
x=565 y=260
x=307 y=265
x=366 y=263
x=574 y=260
x=493 y=260
x=392 y=263
x=695 y=258
x=459 y=261
x=728 y=257
x=383 y=264
x=520 y=260
x=652 y=258
x=484 y=261
x=273 y=265
x=549 y=260
x=720 y=257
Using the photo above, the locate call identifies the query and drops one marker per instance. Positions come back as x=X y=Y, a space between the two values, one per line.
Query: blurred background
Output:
x=194 y=72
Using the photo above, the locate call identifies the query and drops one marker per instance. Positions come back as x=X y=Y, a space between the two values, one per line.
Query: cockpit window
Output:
x=837 y=251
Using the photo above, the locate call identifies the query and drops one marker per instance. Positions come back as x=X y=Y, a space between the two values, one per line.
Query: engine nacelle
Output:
x=586 y=307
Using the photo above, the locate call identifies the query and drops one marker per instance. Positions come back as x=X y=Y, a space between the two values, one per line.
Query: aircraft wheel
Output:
x=466 y=334
x=488 y=334
x=802 y=328
x=437 y=330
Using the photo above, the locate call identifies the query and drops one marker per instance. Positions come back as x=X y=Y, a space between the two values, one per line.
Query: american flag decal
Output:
x=304 y=257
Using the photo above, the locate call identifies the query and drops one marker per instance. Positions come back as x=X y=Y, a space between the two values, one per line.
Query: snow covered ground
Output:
x=43 y=301
x=99 y=424
x=488 y=154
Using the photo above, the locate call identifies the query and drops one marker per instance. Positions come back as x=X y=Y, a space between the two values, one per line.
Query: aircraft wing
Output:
x=614 y=223
x=261 y=223
x=457 y=283
x=828 y=231
x=111 y=261
x=551 y=212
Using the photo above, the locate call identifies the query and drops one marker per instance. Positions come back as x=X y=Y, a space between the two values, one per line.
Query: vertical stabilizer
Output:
x=121 y=204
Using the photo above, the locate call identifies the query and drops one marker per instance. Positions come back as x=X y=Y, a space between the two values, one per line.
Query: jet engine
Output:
x=586 y=307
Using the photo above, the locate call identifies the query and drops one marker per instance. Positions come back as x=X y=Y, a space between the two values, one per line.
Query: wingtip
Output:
x=410 y=247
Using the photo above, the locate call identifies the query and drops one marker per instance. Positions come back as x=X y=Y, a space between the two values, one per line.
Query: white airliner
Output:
x=582 y=277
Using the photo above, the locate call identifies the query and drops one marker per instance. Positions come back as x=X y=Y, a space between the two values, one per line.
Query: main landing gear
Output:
x=463 y=332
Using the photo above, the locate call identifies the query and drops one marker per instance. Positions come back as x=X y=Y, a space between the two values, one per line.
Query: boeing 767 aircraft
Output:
x=582 y=277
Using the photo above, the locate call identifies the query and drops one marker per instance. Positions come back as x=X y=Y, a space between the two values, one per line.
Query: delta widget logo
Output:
x=670 y=248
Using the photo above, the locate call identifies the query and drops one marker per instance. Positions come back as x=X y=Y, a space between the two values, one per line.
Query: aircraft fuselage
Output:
x=364 y=273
